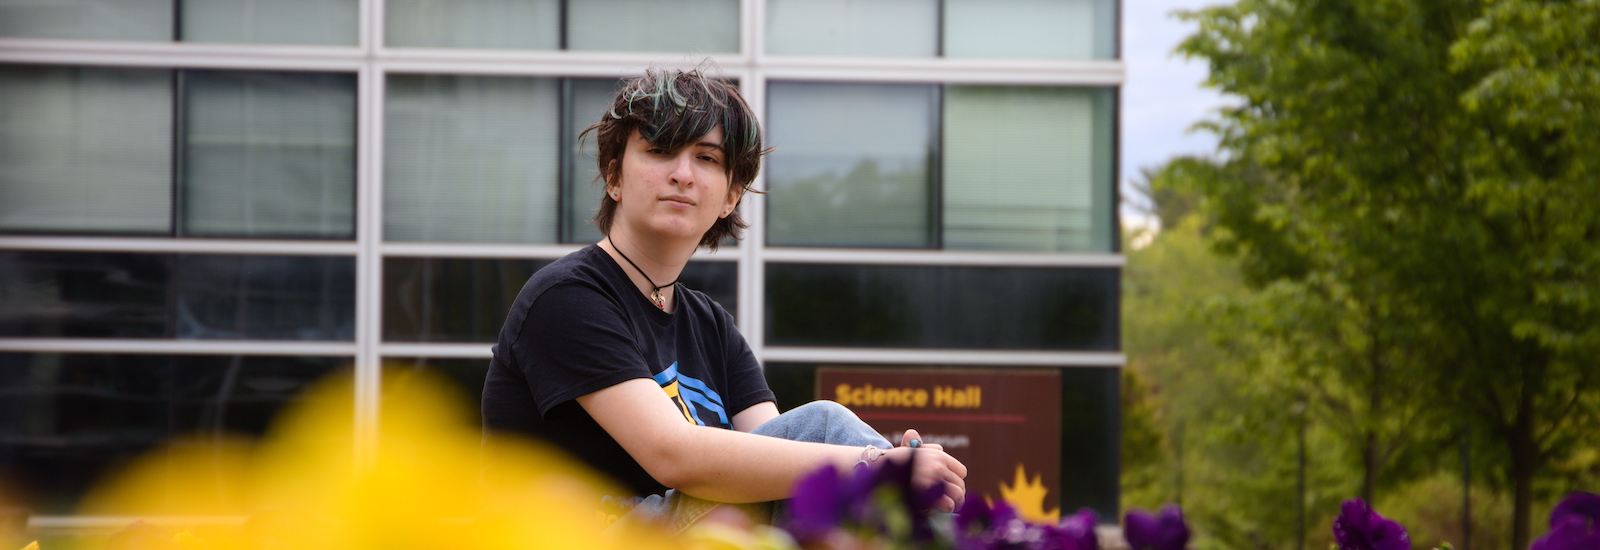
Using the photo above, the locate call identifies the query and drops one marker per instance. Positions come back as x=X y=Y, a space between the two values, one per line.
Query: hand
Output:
x=934 y=466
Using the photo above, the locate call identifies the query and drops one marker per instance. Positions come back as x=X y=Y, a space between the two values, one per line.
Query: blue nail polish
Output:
x=914 y=443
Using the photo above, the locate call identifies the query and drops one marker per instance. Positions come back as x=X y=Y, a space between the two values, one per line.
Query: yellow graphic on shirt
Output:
x=672 y=392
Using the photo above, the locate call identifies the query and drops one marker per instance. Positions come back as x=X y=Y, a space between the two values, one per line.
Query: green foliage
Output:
x=1411 y=193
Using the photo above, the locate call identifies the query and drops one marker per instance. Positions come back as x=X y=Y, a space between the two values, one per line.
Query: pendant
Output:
x=658 y=300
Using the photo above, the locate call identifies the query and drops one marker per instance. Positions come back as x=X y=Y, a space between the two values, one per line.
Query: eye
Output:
x=711 y=159
x=656 y=151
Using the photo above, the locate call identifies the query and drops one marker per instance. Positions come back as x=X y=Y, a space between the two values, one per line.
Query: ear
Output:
x=735 y=192
x=611 y=179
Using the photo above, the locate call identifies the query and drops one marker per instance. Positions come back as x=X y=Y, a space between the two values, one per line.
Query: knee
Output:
x=825 y=409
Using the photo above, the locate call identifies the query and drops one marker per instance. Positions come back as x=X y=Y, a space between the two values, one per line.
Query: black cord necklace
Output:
x=655 y=295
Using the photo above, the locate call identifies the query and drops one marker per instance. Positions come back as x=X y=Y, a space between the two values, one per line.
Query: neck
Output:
x=648 y=264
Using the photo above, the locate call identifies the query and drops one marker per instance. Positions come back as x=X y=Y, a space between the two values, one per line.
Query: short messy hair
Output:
x=673 y=109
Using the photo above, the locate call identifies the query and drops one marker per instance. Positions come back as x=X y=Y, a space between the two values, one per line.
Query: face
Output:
x=672 y=194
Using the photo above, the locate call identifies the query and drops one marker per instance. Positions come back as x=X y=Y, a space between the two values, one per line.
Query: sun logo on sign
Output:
x=1027 y=498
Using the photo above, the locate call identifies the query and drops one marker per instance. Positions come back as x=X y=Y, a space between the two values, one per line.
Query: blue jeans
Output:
x=815 y=422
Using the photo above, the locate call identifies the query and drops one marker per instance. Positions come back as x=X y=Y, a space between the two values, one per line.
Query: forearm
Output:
x=730 y=466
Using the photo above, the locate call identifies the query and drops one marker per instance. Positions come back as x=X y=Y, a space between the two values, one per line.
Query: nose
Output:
x=683 y=168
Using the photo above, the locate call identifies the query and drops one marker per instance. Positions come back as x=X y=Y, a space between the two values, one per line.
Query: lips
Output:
x=685 y=201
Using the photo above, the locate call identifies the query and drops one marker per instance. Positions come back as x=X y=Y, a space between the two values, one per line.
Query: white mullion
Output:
x=543 y=62
x=369 y=263
x=180 y=55
x=469 y=350
x=907 y=356
x=752 y=265
x=942 y=257
x=752 y=35
x=179 y=245
x=947 y=70
x=148 y=346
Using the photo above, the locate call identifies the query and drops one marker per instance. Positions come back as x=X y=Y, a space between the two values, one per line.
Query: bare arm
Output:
x=751 y=418
x=727 y=465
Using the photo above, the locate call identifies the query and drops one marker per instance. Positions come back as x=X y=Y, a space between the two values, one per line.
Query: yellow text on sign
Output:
x=866 y=395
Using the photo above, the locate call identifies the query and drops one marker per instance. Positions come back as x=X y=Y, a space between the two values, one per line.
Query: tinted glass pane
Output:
x=85 y=294
x=102 y=19
x=1090 y=426
x=851 y=165
x=69 y=418
x=587 y=99
x=85 y=149
x=886 y=28
x=271 y=21
x=463 y=377
x=450 y=299
x=534 y=24
x=1028 y=168
x=941 y=307
x=718 y=280
x=265 y=297
x=466 y=299
x=269 y=154
x=471 y=159
x=1048 y=29
x=698 y=26
x=183 y=296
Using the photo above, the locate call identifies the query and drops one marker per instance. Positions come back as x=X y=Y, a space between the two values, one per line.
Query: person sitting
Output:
x=607 y=356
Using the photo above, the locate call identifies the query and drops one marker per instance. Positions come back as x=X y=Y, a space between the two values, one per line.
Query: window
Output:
x=76 y=154
x=534 y=24
x=310 y=22
x=698 y=26
x=884 y=28
x=1039 y=29
x=1028 y=168
x=852 y=164
x=471 y=159
x=960 y=307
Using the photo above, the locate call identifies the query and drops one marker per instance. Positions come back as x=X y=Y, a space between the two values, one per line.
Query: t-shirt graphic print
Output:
x=698 y=402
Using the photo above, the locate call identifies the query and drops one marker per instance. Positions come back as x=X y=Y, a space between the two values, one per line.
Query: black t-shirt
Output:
x=579 y=326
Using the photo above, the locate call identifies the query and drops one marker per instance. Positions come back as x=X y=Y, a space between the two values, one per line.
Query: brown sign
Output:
x=1004 y=425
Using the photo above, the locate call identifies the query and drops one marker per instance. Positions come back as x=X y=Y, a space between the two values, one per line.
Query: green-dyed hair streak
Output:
x=673 y=109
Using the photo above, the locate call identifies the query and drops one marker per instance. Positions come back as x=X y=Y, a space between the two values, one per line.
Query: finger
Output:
x=934 y=446
x=945 y=504
x=908 y=437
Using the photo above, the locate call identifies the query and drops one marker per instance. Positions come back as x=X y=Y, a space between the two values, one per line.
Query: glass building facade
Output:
x=205 y=206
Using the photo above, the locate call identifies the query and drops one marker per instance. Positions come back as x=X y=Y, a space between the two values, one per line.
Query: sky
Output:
x=1162 y=96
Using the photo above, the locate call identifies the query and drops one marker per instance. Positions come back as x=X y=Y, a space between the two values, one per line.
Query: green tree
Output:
x=1425 y=170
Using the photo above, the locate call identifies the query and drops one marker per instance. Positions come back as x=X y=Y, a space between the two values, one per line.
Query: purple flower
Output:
x=1574 y=524
x=1074 y=532
x=1360 y=528
x=1165 y=531
x=818 y=503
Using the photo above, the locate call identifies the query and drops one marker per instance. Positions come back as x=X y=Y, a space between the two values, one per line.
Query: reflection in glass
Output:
x=471 y=159
x=942 y=307
x=332 y=22
x=695 y=26
x=534 y=25
x=718 y=280
x=67 y=419
x=883 y=28
x=73 y=294
x=463 y=377
x=450 y=299
x=466 y=299
x=851 y=164
x=265 y=297
x=112 y=295
x=85 y=149
x=1028 y=168
x=269 y=154
x=87 y=19
x=1044 y=29
x=587 y=100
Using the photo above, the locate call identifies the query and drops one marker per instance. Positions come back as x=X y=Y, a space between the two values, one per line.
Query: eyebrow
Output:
x=710 y=144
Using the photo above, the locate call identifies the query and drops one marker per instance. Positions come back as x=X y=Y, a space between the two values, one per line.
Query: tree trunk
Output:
x=1524 y=462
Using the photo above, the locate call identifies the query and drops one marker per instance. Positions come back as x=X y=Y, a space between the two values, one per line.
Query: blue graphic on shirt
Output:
x=691 y=396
